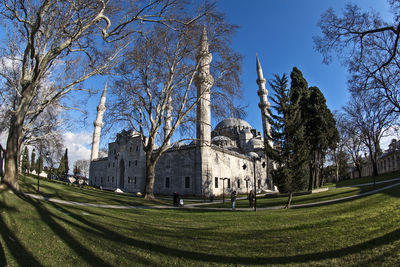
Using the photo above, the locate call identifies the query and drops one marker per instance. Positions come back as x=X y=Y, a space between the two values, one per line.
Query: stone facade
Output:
x=388 y=162
x=230 y=157
x=178 y=168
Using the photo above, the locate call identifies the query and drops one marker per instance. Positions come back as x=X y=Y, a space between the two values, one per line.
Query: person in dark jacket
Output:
x=251 y=198
x=175 y=197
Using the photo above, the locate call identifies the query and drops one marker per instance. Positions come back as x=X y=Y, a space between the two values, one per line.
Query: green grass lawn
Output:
x=70 y=192
x=332 y=193
x=361 y=232
x=364 y=180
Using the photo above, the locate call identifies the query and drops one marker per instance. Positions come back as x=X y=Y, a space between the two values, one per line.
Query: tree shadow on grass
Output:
x=114 y=236
x=19 y=252
x=48 y=217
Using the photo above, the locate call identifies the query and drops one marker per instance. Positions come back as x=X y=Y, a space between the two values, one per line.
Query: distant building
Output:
x=388 y=162
x=219 y=159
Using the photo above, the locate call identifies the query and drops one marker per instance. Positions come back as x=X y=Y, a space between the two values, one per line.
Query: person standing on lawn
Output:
x=233 y=200
x=251 y=198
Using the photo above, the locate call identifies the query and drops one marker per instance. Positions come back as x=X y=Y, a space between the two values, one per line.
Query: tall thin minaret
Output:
x=168 y=118
x=203 y=82
x=264 y=104
x=98 y=124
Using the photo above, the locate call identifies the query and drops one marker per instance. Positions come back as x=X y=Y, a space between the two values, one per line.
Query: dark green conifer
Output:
x=25 y=161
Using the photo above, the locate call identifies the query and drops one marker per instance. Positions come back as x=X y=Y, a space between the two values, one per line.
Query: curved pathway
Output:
x=199 y=205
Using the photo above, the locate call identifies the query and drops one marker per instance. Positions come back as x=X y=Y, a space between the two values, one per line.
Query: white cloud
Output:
x=3 y=139
x=79 y=146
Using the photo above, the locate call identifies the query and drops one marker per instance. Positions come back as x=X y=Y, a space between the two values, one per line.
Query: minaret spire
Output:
x=259 y=70
x=203 y=82
x=264 y=104
x=98 y=124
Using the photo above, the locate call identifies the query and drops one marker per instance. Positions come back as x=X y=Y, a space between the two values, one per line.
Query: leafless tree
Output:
x=351 y=138
x=83 y=166
x=66 y=42
x=155 y=90
x=36 y=128
x=371 y=118
x=368 y=46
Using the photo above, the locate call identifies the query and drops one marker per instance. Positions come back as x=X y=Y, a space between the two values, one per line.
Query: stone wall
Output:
x=188 y=170
x=124 y=167
x=175 y=172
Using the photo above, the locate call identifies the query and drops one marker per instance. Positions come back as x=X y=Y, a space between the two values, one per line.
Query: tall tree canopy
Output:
x=368 y=45
x=66 y=42
x=287 y=131
x=372 y=118
x=155 y=91
x=303 y=129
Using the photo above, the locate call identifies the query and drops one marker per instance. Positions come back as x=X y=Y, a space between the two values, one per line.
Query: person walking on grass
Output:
x=233 y=200
x=251 y=198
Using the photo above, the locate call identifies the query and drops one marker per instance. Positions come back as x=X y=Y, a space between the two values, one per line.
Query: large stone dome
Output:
x=232 y=123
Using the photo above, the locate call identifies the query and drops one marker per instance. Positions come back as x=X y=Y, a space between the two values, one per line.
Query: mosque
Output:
x=230 y=157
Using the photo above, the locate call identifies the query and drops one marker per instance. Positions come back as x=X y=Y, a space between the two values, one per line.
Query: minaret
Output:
x=203 y=82
x=98 y=124
x=264 y=104
x=168 y=118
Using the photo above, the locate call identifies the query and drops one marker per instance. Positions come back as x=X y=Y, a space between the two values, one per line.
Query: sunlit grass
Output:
x=361 y=232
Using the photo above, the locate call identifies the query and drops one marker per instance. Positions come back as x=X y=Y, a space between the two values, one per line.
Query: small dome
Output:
x=222 y=141
x=255 y=143
x=220 y=138
x=178 y=145
x=252 y=155
x=232 y=122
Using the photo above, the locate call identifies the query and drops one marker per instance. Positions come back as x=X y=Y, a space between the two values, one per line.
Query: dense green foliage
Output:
x=287 y=131
x=25 y=166
x=39 y=164
x=63 y=166
x=303 y=129
x=321 y=134
x=33 y=161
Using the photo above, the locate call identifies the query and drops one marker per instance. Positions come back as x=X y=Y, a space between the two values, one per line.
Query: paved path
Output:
x=199 y=205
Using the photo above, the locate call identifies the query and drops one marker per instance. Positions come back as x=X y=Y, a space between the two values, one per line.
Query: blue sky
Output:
x=281 y=33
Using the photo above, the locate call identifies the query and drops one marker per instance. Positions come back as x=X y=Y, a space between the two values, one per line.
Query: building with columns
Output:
x=230 y=156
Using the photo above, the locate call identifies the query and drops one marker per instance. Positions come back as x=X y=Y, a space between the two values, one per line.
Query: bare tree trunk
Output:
x=374 y=169
x=311 y=178
x=150 y=176
x=359 y=171
x=289 y=200
x=321 y=171
x=11 y=162
x=374 y=164
x=337 y=165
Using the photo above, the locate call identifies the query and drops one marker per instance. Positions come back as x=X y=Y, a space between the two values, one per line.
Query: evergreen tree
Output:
x=66 y=162
x=25 y=161
x=33 y=161
x=39 y=164
x=287 y=130
x=61 y=167
x=321 y=134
